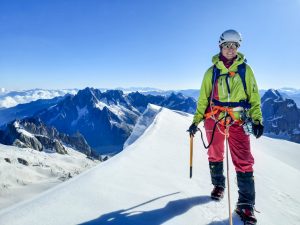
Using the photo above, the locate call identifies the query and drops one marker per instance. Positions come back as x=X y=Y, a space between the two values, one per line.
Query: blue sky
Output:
x=165 y=44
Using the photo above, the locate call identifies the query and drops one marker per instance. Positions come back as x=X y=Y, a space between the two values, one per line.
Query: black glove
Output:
x=192 y=129
x=258 y=129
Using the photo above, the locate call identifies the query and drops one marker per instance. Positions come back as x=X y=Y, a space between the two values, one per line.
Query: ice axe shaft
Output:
x=228 y=183
x=191 y=156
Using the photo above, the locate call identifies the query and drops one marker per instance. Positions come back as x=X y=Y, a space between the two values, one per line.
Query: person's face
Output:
x=229 y=50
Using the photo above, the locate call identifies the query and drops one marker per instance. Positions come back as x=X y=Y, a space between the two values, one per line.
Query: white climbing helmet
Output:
x=230 y=36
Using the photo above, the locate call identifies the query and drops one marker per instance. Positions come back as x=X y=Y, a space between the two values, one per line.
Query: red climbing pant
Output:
x=239 y=145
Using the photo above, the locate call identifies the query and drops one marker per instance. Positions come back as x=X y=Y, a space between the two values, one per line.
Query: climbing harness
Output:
x=228 y=108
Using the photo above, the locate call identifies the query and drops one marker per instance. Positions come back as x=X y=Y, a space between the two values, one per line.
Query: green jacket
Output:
x=237 y=91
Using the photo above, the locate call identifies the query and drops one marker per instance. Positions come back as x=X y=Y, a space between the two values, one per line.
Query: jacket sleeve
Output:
x=253 y=96
x=203 y=99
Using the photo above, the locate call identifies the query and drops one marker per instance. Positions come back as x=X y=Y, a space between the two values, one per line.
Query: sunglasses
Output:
x=230 y=45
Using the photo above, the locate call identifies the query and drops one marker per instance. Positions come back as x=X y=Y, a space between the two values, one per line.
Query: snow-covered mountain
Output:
x=69 y=116
x=106 y=119
x=148 y=184
x=33 y=133
x=175 y=101
x=281 y=116
x=25 y=172
x=12 y=98
x=290 y=93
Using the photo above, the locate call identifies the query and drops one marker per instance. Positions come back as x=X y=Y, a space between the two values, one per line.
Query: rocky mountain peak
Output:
x=176 y=95
x=114 y=97
x=281 y=116
x=87 y=96
x=272 y=94
x=33 y=133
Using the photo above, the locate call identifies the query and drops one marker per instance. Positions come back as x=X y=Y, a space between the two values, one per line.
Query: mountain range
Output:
x=105 y=119
x=10 y=98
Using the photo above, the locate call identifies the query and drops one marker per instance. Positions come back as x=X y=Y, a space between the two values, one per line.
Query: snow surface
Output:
x=22 y=131
x=19 y=182
x=290 y=105
x=143 y=123
x=81 y=112
x=116 y=109
x=148 y=184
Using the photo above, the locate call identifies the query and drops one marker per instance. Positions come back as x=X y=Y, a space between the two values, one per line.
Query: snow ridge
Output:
x=143 y=123
x=148 y=184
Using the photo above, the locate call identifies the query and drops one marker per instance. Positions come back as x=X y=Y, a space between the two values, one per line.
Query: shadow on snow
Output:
x=152 y=217
x=235 y=219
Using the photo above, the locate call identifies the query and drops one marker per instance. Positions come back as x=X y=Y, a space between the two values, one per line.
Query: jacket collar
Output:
x=220 y=65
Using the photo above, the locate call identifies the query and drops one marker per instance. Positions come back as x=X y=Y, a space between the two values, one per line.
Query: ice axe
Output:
x=191 y=155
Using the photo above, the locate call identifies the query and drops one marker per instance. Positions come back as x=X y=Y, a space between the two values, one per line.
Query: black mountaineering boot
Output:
x=247 y=215
x=217 y=193
x=246 y=202
x=217 y=179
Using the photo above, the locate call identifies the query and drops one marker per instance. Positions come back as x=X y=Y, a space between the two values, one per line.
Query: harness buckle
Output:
x=231 y=73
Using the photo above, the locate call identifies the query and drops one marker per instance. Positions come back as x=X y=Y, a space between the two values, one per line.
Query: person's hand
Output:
x=192 y=129
x=258 y=129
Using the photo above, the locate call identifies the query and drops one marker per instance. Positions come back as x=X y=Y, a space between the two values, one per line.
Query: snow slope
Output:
x=19 y=182
x=143 y=123
x=148 y=184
